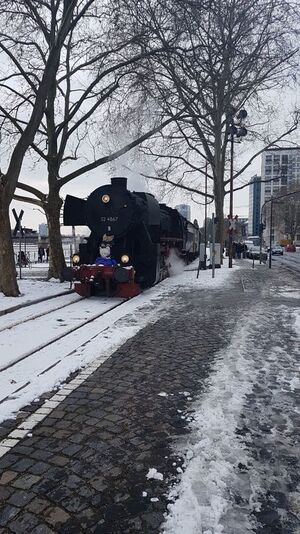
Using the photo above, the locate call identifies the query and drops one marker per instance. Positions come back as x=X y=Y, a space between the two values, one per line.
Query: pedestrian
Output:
x=245 y=248
x=238 y=250
x=41 y=254
x=47 y=254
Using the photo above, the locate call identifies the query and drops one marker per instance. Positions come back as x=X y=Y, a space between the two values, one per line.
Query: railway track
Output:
x=35 y=310
x=42 y=357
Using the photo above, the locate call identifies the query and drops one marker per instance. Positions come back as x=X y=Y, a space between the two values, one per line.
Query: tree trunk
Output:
x=219 y=206
x=8 y=276
x=56 y=258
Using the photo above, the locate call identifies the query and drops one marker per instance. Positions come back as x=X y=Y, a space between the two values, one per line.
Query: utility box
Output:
x=217 y=255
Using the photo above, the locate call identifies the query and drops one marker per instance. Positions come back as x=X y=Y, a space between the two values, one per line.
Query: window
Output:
x=284 y=159
x=268 y=171
x=268 y=159
x=284 y=170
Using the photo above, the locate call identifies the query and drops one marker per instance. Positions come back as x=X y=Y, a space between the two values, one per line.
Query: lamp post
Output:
x=205 y=218
x=271 y=226
x=235 y=129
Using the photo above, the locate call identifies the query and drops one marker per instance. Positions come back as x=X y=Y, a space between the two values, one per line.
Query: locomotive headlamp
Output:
x=76 y=258
x=124 y=258
x=105 y=199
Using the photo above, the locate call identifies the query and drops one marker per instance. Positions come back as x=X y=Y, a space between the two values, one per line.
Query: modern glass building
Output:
x=254 y=205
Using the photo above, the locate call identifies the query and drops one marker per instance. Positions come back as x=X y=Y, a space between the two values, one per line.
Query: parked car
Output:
x=253 y=251
x=290 y=248
x=277 y=250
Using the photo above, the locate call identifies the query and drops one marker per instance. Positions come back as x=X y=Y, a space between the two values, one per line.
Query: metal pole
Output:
x=199 y=263
x=205 y=217
x=213 y=263
x=260 y=236
x=271 y=225
x=230 y=251
x=74 y=238
x=20 y=248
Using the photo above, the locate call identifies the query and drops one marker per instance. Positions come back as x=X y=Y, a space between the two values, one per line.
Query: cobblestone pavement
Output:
x=84 y=467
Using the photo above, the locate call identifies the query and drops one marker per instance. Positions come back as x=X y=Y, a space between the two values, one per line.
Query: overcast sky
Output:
x=84 y=185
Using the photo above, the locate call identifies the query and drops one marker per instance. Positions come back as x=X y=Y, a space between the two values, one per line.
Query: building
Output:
x=254 y=205
x=281 y=166
x=184 y=210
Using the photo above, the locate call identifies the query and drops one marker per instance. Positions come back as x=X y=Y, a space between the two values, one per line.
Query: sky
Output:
x=85 y=184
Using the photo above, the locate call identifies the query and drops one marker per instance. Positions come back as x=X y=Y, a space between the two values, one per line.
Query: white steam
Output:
x=176 y=264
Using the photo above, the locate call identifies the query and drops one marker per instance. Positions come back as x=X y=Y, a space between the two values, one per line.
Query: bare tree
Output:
x=97 y=73
x=219 y=56
x=19 y=37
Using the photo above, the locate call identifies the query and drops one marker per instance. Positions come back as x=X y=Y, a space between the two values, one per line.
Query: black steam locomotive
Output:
x=131 y=239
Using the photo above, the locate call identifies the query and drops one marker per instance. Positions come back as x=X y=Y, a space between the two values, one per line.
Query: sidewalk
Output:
x=200 y=404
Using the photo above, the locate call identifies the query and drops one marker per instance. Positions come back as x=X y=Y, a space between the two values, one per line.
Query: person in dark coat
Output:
x=41 y=254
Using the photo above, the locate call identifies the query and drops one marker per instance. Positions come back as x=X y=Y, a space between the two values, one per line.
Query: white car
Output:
x=277 y=250
x=253 y=251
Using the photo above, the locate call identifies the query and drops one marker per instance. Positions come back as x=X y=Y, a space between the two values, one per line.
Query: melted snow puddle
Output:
x=215 y=494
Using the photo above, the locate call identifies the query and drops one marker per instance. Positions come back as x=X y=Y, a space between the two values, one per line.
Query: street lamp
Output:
x=235 y=129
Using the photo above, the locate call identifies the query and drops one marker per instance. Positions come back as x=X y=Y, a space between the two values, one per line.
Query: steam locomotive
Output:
x=131 y=239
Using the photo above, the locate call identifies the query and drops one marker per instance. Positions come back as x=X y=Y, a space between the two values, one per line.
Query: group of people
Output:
x=239 y=250
x=23 y=259
x=42 y=253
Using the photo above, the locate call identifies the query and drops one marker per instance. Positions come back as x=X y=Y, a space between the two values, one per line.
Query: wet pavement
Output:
x=84 y=467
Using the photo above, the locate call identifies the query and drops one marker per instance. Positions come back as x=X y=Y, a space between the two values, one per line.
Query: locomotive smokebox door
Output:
x=111 y=209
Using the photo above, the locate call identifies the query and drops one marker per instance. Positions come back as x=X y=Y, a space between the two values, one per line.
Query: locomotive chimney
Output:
x=119 y=182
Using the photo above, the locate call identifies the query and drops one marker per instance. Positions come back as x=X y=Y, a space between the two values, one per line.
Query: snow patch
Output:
x=214 y=451
x=154 y=474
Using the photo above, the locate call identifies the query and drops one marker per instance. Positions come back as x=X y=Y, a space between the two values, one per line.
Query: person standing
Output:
x=41 y=254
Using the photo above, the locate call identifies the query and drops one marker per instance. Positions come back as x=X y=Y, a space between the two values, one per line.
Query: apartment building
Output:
x=280 y=167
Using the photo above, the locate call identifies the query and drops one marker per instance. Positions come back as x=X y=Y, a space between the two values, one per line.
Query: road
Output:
x=290 y=260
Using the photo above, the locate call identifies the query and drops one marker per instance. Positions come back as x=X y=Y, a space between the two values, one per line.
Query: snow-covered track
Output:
x=47 y=367
x=29 y=338
x=12 y=309
x=38 y=310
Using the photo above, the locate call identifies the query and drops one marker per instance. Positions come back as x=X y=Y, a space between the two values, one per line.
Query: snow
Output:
x=49 y=367
x=32 y=290
x=162 y=394
x=154 y=474
x=214 y=450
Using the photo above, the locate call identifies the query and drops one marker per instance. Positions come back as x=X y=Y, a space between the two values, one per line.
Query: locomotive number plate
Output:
x=109 y=219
